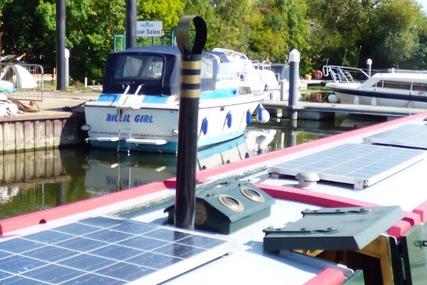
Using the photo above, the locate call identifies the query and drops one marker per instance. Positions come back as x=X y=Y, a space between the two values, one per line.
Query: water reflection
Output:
x=108 y=171
x=36 y=180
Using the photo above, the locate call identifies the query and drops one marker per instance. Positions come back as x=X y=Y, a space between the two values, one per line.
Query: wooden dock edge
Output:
x=40 y=130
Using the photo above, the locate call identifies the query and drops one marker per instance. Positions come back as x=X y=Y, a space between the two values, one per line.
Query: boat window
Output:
x=419 y=87
x=207 y=68
x=397 y=85
x=139 y=67
x=378 y=84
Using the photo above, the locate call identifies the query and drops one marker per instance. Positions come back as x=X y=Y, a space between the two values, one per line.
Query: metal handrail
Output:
x=342 y=73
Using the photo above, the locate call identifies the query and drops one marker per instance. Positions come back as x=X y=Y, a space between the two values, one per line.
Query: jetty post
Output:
x=60 y=45
x=131 y=15
x=185 y=199
x=294 y=59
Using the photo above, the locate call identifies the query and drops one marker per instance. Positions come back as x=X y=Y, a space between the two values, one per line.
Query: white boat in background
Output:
x=138 y=107
x=258 y=75
x=396 y=89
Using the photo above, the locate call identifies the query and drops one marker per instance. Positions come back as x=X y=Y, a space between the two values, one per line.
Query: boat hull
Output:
x=155 y=129
x=353 y=96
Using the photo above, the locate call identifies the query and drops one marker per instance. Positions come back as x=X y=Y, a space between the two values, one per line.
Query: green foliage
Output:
x=396 y=37
x=391 y=32
x=91 y=25
x=349 y=31
x=168 y=11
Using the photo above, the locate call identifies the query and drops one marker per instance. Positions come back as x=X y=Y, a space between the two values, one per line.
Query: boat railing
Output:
x=397 y=70
x=344 y=74
x=266 y=65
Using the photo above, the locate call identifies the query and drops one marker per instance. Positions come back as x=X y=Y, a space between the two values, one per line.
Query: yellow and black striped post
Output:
x=188 y=115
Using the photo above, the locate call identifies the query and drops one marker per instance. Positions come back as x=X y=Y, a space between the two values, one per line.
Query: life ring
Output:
x=318 y=74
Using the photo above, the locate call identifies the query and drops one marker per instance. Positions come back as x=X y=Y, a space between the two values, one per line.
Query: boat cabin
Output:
x=415 y=83
x=152 y=70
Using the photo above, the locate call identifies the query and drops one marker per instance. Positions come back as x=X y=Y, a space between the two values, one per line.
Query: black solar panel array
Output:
x=97 y=250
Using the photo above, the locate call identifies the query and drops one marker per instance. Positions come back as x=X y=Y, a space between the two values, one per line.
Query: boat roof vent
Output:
x=307 y=179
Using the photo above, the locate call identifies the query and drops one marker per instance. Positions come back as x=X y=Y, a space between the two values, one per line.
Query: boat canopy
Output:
x=156 y=69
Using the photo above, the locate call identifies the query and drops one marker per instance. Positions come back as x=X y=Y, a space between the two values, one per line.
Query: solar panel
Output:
x=409 y=135
x=361 y=165
x=103 y=250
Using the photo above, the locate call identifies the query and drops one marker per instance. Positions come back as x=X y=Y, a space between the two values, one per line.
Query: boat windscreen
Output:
x=139 y=66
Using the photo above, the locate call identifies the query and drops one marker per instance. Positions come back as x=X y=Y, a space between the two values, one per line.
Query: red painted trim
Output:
x=421 y=210
x=329 y=276
x=412 y=218
x=170 y=183
x=399 y=229
x=312 y=198
x=264 y=158
x=32 y=219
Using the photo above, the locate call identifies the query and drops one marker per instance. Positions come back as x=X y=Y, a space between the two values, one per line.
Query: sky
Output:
x=423 y=4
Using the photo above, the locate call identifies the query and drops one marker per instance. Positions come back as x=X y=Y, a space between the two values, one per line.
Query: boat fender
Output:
x=263 y=116
x=248 y=117
x=318 y=74
x=229 y=119
x=374 y=101
x=204 y=127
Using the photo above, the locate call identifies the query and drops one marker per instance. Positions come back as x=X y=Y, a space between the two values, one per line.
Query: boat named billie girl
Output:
x=138 y=107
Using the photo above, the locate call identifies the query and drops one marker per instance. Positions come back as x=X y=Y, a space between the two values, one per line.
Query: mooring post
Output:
x=185 y=198
x=60 y=45
x=292 y=134
x=282 y=90
x=369 y=64
x=131 y=15
x=294 y=59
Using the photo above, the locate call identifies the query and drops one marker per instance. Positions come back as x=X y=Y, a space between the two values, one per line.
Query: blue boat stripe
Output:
x=221 y=93
x=109 y=97
x=155 y=99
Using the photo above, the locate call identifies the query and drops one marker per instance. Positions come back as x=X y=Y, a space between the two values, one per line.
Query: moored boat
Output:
x=138 y=107
x=396 y=89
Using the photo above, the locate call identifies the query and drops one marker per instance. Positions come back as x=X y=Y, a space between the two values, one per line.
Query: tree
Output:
x=26 y=30
x=393 y=38
x=347 y=31
x=91 y=26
